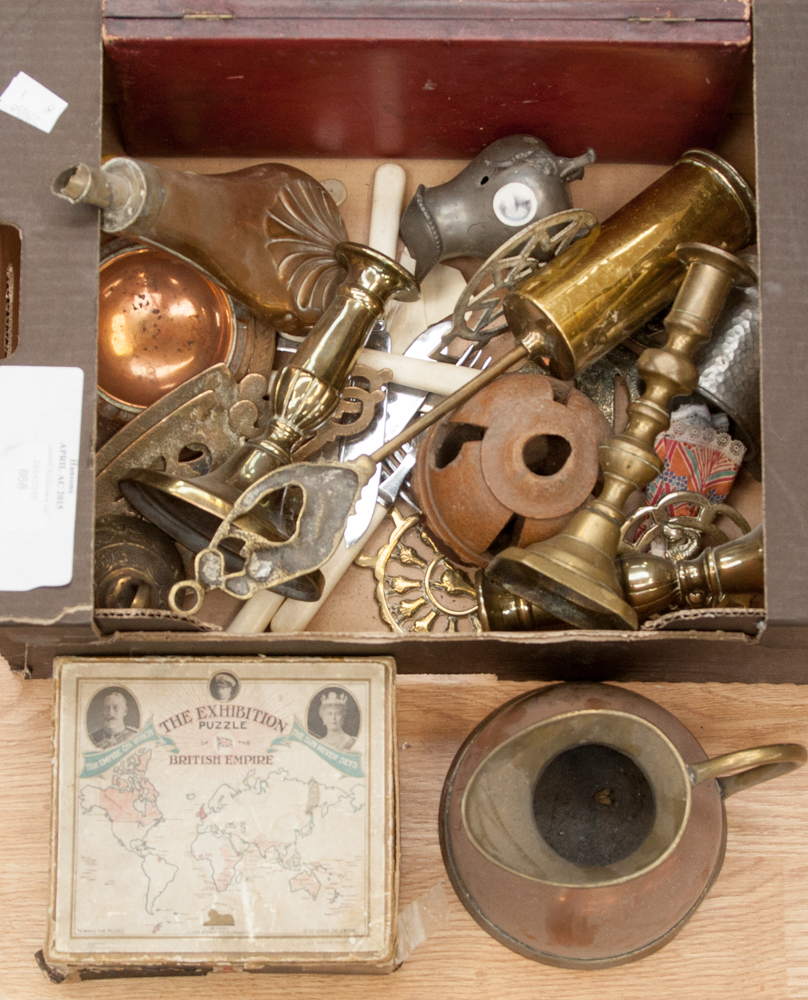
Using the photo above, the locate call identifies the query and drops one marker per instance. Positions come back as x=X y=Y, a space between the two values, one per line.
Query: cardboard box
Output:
x=630 y=79
x=203 y=785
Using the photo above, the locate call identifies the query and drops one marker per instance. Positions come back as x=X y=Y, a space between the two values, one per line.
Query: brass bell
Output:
x=654 y=584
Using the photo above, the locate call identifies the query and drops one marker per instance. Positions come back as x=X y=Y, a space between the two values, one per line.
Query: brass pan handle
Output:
x=744 y=768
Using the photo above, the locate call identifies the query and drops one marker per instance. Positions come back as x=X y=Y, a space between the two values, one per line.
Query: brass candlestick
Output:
x=304 y=396
x=573 y=574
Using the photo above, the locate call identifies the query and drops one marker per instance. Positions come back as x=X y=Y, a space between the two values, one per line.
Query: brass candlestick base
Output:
x=573 y=575
x=304 y=396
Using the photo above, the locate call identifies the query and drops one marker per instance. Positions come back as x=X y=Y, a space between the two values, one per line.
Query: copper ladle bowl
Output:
x=161 y=321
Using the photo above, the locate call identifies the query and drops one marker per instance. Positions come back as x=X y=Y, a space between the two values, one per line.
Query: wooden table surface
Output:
x=749 y=939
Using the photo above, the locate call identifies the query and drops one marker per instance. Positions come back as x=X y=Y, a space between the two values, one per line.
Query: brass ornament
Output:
x=680 y=535
x=573 y=575
x=428 y=590
x=304 y=395
x=612 y=281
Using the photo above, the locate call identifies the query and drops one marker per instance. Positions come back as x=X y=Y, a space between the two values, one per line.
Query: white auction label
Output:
x=40 y=435
x=25 y=98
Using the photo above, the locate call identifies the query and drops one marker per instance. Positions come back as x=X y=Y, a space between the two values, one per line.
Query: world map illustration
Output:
x=173 y=851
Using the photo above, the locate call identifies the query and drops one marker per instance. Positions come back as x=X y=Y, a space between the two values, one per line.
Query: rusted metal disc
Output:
x=160 y=322
x=581 y=928
x=508 y=467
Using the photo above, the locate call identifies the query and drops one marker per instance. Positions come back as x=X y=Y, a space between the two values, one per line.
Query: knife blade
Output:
x=365 y=443
x=402 y=405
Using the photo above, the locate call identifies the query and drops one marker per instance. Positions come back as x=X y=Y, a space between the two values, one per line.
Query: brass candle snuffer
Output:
x=573 y=575
x=161 y=322
x=267 y=233
x=303 y=396
x=582 y=825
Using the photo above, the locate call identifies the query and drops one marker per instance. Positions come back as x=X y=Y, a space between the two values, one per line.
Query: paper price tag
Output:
x=39 y=465
x=26 y=99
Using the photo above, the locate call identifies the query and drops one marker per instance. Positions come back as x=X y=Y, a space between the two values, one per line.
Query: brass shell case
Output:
x=605 y=286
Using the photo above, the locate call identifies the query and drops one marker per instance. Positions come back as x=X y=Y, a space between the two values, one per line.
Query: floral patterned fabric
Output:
x=697 y=455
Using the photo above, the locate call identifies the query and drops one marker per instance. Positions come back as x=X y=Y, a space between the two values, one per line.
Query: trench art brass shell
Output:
x=582 y=825
x=609 y=283
x=509 y=467
x=304 y=395
x=573 y=575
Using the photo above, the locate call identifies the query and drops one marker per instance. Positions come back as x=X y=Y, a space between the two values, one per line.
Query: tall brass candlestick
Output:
x=573 y=575
x=304 y=396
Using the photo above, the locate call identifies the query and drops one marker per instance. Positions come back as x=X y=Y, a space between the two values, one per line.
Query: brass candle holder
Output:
x=304 y=395
x=573 y=575
x=652 y=585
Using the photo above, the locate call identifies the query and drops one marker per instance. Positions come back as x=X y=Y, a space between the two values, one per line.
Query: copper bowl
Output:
x=161 y=321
